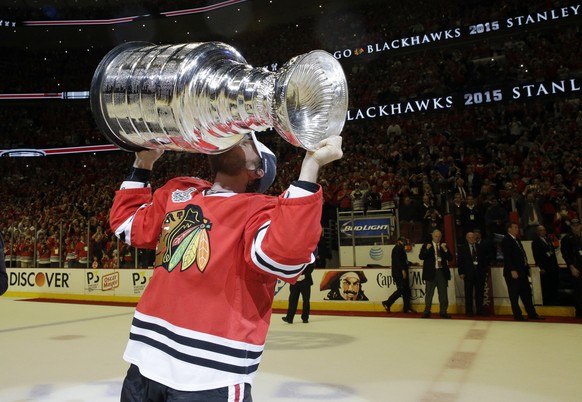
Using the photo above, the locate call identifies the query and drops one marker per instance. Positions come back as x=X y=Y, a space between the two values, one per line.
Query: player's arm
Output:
x=284 y=244
x=326 y=151
x=135 y=216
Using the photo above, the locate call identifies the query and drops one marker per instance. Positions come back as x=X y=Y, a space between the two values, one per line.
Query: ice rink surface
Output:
x=62 y=352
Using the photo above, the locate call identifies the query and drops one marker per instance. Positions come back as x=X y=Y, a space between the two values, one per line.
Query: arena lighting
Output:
x=47 y=95
x=30 y=152
x=22 y=152
x=202 y=9
x=82 y=22
x=124 y=20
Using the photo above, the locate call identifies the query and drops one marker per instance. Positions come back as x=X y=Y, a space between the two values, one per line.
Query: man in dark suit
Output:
x=572 y=252
x=544 y=255
x=301 y=287
x=516 y=273
x=436 y=273
x=471 y=215
x=457 y=207
x=400 y=266
x=3 y=274
x=472 y=264
x=473 y=181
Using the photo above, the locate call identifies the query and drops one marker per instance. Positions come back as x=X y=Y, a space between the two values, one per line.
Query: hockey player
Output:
x=199 y=330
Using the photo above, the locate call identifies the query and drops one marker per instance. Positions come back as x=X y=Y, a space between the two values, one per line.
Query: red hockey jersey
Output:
x=203 y=318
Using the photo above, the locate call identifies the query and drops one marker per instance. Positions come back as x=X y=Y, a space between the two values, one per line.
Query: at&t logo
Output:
x=376 y=253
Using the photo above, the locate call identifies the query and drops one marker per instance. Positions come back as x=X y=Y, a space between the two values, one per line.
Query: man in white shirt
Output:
x=436 y=273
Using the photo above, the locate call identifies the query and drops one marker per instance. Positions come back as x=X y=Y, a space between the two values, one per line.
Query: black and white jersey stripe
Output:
x=267 y=264
x=123 y=232
x=195 y=348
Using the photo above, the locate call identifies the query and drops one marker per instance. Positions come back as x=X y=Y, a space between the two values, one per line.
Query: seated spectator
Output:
x=373 y=200
x=358 y=197
x=387 y=196
x=343 y=198
x=563 y=220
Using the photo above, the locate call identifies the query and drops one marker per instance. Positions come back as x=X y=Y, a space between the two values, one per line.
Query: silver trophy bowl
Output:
x=204 y=97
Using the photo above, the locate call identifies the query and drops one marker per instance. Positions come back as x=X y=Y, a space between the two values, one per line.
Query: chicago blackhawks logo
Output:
x=184 y=240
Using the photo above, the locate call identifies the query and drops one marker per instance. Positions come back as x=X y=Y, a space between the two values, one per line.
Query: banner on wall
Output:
x=353 y=285
x=361 y=289
x=370 y=286
x=366 y=226
x=98 y=283
x=480 y=97
x=360 y=286
x=44 y=280
x=479 y=31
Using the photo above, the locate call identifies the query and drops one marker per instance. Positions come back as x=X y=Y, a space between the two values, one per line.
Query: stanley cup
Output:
x=204 y=97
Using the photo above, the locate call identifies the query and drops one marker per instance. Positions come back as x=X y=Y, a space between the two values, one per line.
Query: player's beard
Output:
x=253 y=186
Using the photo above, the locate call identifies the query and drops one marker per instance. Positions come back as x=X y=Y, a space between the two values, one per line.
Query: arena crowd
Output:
x=497 y=161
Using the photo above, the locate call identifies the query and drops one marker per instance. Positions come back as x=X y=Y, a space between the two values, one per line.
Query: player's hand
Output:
x=145 y=159
x=429 y=246
x=326 y=151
